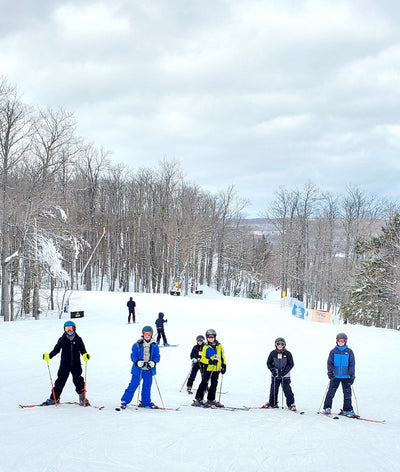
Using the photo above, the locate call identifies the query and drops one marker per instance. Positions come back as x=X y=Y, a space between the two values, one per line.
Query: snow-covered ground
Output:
x=71 y=438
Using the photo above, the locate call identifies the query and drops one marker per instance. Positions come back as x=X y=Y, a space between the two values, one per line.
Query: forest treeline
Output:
x=70 y=218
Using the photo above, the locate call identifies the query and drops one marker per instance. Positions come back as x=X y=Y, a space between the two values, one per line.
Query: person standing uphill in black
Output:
x=131 y=307
x=160 y=329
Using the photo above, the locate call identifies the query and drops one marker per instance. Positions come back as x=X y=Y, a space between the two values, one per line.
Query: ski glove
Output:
x=151 y=364
x=195 y=361
x=213 y=361
x=274 y=372
x=331 y=375
x=282 y=373
x=140 y=364
x=46 y=356
x=223 y=369
x=351 y=379
x=86 y=357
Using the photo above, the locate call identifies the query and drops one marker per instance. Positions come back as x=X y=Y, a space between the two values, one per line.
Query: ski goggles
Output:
x=149 y=333
x=69 y=328
x=279 y=344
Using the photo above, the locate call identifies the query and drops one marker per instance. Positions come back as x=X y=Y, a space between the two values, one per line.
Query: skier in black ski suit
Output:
x=280 y=363
x=131 y=307
x=160 y=329
x=195 y=355
x=71 y=346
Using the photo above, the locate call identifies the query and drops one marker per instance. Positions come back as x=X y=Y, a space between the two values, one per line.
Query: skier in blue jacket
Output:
x=341 y=370
x=145 y=355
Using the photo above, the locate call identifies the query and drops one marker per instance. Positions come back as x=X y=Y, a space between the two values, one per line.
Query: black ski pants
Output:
x=208 y=376
x=276 y=382
x=62 y=377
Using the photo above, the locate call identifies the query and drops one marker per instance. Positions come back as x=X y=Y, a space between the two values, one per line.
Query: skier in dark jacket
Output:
x=341 y=370
x=160 y=329
x=131 y=308
x=280 y=363
x=195 y=356
x=72 y=347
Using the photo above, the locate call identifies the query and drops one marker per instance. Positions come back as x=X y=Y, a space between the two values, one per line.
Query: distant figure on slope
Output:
x=280 y=363
x=145 y=355
x=131 y=308
x=71 y=346
x=195 y=356
x=341 y=370
x=214 y=363
x=160 y=329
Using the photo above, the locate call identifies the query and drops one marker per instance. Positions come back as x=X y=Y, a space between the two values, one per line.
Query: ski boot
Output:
x=269 y=405
x=197 y=402
x=123 y=405
x=327 y=411
x=189 y=391
x=50 y=401
x=349 y=414
x=83 y=401
x=292 y=407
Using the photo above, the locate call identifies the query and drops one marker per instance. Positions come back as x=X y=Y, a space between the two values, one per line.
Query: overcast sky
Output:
x=252 y=93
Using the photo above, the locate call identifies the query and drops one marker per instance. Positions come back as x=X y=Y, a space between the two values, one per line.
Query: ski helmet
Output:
x=211 y=332
x=147 y=329
x=280 y=341
x=200 y=338
x=70 y=323
x=341 y=336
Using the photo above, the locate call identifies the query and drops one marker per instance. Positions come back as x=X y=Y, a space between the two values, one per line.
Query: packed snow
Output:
x=72 y=438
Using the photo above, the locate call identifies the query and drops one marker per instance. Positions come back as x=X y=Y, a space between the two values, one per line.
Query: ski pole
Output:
x=323 y=398
x=155 y=379
x=186 y=378
x=220 y=389
x=355 y=398
x=51 y=382
x=138 y=392
x=282 y=391
x=84 y=385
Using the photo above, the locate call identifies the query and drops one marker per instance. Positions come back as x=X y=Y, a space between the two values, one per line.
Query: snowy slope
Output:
x=70 y=438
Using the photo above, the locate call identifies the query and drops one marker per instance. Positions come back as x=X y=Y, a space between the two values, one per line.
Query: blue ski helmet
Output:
x=70 y=323
x=147 y=329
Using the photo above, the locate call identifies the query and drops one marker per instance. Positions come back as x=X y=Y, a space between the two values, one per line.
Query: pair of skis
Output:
x=61 y=403
x=356 y=417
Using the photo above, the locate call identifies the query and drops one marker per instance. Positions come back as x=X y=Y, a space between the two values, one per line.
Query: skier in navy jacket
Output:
x=145 y=355
x=341 y=370
x=160 y=329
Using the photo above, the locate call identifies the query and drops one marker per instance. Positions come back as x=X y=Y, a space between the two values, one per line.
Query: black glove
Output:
x=213 y=361
x=223 y=369
x=351 y=379
x=331 y=375
x=274 y=372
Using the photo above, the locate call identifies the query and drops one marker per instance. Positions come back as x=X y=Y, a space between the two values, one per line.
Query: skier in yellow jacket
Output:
x=213 y=359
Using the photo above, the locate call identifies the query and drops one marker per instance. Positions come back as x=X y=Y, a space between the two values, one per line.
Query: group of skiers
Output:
x=208 y=358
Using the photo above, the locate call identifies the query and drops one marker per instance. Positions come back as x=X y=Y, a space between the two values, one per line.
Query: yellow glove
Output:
x=86 y=357
x=46 y=356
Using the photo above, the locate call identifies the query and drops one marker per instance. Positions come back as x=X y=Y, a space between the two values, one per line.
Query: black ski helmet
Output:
x=280 y=340
x=200 y=337
x=341 y=336
x=212 y=332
